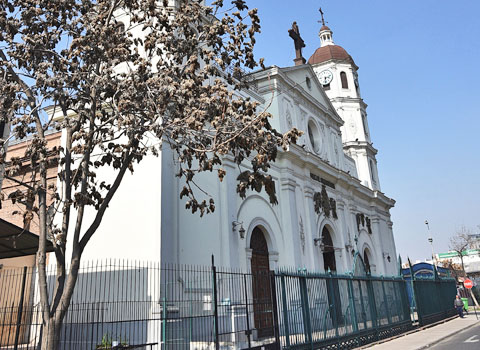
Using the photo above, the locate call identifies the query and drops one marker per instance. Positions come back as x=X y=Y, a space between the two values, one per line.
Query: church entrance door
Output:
x=333 y=289
x=261 y=286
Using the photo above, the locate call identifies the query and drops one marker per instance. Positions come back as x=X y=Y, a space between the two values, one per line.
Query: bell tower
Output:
x=337 y=72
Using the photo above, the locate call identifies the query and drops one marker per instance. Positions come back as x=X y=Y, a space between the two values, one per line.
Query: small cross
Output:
x=323 y=20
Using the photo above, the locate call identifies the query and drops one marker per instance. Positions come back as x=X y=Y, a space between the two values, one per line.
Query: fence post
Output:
x=285 y=311
x=164 y=324
x=333 y=306
x=415 y=295
x=215 y=303
x=371 y=301
x=275 y=307
x=248 y=331
x=307 y=329
x=20 y=309
x=405 y=302
x=353 y=309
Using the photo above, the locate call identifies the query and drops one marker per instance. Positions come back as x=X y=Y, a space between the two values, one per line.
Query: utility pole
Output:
x=430 y=240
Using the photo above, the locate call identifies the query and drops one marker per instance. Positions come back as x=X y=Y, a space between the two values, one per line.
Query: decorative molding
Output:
x=302 y=234
x=288 y=113
x=340 y=204
x=288 y=184
x=363 y=221
x=273 y=256
x=308 y=191
x=322 y=202
x=249 y=252
x=322 y=180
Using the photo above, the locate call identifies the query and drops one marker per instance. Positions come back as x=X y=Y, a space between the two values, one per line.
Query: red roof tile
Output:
x=329 y=52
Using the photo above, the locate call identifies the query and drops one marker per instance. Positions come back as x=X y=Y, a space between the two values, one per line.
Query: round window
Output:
x=314 y=136
x=309 y=83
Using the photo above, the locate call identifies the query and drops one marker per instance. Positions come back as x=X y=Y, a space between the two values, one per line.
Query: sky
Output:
x=419 y=75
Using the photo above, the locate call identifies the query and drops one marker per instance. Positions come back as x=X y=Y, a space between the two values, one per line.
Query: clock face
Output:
x=325 y=77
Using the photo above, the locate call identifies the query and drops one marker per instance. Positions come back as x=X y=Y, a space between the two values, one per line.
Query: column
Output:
x=311 y=251
x=290 y=221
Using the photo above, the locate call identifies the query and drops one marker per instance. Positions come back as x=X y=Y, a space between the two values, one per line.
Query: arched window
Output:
x=328 y=251
x=372 y=172
x=366 y=262
x=343 y=78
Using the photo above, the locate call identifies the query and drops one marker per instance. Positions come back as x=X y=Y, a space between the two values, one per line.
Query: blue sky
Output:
x=419 y=75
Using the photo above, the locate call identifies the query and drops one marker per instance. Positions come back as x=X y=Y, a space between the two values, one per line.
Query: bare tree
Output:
x=122 y=78
x=459 y=243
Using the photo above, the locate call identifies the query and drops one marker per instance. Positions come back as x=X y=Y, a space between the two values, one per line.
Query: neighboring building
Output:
x=423 y=269
x=471 y=260
x=475 y=239
x=19 y=213
x=420 y=270
x=19 y=239
x=330 y=204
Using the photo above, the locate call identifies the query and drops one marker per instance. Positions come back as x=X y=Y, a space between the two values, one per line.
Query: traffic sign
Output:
x=468 y=283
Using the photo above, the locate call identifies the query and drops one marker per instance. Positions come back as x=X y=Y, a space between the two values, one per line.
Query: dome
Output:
x=330 y=52
x=324 y=27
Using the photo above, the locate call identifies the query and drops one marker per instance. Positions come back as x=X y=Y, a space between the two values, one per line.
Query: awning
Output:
x=15 y=241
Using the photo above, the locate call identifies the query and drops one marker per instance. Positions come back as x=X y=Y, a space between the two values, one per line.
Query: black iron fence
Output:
x=132 y=305
x=433 y=298
x=320 y=310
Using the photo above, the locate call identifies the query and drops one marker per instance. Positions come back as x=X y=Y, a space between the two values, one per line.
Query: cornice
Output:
x=352 y=100
x=340 y=178
x=358 y=145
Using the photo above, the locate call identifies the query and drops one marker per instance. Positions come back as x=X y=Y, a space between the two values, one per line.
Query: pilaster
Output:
x=290 y=219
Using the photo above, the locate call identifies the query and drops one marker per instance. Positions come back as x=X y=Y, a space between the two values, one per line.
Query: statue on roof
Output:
x=298 y=42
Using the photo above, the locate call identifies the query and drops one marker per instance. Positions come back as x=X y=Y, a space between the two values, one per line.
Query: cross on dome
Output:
x=325 y=34
x=321 y=14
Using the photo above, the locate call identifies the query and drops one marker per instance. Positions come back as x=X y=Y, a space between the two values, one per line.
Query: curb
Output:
x=371 y=345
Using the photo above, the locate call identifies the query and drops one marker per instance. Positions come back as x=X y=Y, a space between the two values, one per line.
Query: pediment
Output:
x=305 y=77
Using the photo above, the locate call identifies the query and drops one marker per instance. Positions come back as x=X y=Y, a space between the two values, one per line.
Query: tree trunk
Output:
x=463 y=266
x=51 y=334
x=473 y=298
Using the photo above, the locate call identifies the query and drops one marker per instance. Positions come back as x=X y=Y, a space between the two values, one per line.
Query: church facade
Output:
x=330 y=206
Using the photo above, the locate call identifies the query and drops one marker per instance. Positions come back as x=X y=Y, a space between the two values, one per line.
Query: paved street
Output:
x=466 y=340
x=438 y=337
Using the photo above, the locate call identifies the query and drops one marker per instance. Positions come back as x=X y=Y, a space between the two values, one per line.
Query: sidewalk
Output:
x=426 y=337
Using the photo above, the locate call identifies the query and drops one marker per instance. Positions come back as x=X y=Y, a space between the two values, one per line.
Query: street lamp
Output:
x=430 y=240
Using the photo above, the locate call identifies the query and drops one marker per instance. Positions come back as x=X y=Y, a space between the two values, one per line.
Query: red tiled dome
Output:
x=324 y=27
x=330 y=52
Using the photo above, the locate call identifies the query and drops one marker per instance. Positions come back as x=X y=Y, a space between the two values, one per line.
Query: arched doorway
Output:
x=333 y=289
x=261 y=287
x=328 y=251
x=366 y=261
x=369 y=260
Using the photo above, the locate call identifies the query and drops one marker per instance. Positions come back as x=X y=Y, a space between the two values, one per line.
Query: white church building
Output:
x=330 y=211
x=329 y=201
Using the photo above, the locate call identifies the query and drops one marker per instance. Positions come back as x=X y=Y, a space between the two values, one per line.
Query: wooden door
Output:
x=333 y=289
x=261 y=285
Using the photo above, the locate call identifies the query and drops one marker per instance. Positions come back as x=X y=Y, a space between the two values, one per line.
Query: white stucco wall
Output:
x=291 y=226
